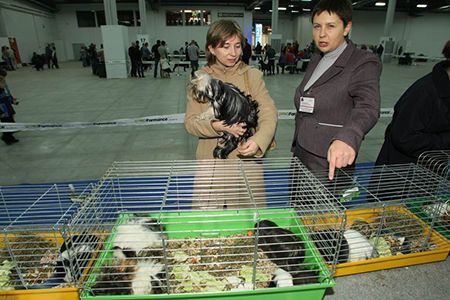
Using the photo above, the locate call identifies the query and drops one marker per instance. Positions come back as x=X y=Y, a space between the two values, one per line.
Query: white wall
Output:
x=426 y=34
x=31 y=28
x=175 y=36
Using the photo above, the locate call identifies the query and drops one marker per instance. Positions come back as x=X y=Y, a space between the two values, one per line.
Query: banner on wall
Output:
x=258 y=33
x=13 y=45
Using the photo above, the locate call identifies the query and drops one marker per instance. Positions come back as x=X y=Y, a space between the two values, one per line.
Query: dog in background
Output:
x=264 y=67
x=229 y=105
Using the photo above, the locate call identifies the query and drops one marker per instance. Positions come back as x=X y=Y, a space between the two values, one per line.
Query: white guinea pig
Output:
x=359 y=246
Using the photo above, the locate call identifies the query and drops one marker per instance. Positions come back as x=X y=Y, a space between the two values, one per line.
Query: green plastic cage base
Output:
x=226 y=223
x=416 y=208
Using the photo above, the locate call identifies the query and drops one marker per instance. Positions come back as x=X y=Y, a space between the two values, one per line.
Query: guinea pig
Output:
x=135 y=235
x=327 y=241
x=282 y=246
x=358 y=245
x=130 y=277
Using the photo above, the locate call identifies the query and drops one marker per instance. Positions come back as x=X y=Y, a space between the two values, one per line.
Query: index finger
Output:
x=331 y=168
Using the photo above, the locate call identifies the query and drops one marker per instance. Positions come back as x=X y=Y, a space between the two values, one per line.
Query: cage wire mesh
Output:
x=175 y=227
x=35 y=249
x=438 y=161
x=15 y=199
x=389 y=210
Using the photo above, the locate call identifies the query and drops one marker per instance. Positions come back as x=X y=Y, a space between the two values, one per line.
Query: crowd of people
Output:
x=49 y=58
x=159 y=58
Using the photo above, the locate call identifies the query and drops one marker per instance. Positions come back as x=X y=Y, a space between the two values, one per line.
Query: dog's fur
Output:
x=230 y=105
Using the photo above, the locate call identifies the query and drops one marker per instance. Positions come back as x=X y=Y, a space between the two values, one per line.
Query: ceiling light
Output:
x=380 y=4
x=306 y=0
x=281 y=8
x=422 y=6
x=270 y=10
x=444 y=7
x=294 y=11
x=290 y=5
x=257 y=8
x=187 y=11
x=306 y=9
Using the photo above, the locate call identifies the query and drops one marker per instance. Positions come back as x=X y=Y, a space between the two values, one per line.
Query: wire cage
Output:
x=35 y=249
x=437 y=161
x=207 y=227
x=382 y=227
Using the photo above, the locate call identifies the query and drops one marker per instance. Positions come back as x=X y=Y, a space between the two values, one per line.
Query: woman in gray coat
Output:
x=338 y=101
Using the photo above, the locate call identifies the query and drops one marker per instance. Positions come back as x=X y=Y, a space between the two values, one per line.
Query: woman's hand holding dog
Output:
x=236 y=129
x=248 y=148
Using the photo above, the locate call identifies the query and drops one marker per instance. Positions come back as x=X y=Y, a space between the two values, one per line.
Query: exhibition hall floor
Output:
x=73 y=94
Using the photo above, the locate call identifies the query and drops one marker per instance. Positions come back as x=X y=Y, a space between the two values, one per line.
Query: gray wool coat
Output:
x=347 y=103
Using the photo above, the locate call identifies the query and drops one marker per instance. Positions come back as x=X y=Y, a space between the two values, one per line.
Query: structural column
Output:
x=389 y=17
x=274 y=16
x=143 y=16
x=110 y=12
x=3 y=32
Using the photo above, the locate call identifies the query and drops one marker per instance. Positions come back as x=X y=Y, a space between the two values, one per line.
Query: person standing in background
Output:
x=247 y=52
x=193 y=53
x=156 y=57
x=7 y=112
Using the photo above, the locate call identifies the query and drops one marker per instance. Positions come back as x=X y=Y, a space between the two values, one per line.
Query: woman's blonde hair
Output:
x=219 y=32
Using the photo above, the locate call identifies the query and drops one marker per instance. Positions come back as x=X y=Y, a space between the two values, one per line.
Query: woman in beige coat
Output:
x=219 y=184
x=223 y=52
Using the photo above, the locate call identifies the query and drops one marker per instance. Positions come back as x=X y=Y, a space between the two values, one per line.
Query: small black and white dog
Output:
x=264 y=67
x=230 y=105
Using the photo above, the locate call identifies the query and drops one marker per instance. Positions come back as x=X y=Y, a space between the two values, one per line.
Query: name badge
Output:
x=306 y=105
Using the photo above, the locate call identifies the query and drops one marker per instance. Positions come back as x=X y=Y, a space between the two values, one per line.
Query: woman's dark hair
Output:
x=342 y=8
x=219 y=32
x=446 y=50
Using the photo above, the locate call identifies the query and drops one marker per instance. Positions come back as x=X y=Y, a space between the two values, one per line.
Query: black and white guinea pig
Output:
x=135 y=235
x=131 y=277
x=327 y=241
x=75 y=254
x=282 y=246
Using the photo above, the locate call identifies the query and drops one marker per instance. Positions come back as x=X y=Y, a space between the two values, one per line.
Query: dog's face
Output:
x=200 y=87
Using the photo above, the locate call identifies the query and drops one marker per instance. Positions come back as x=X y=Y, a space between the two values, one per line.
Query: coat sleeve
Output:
x=364 y=89
x=196 y=120
x=410 y=132
x=267 y=114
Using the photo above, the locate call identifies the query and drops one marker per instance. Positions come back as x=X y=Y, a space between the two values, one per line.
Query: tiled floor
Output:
x=72 y=94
